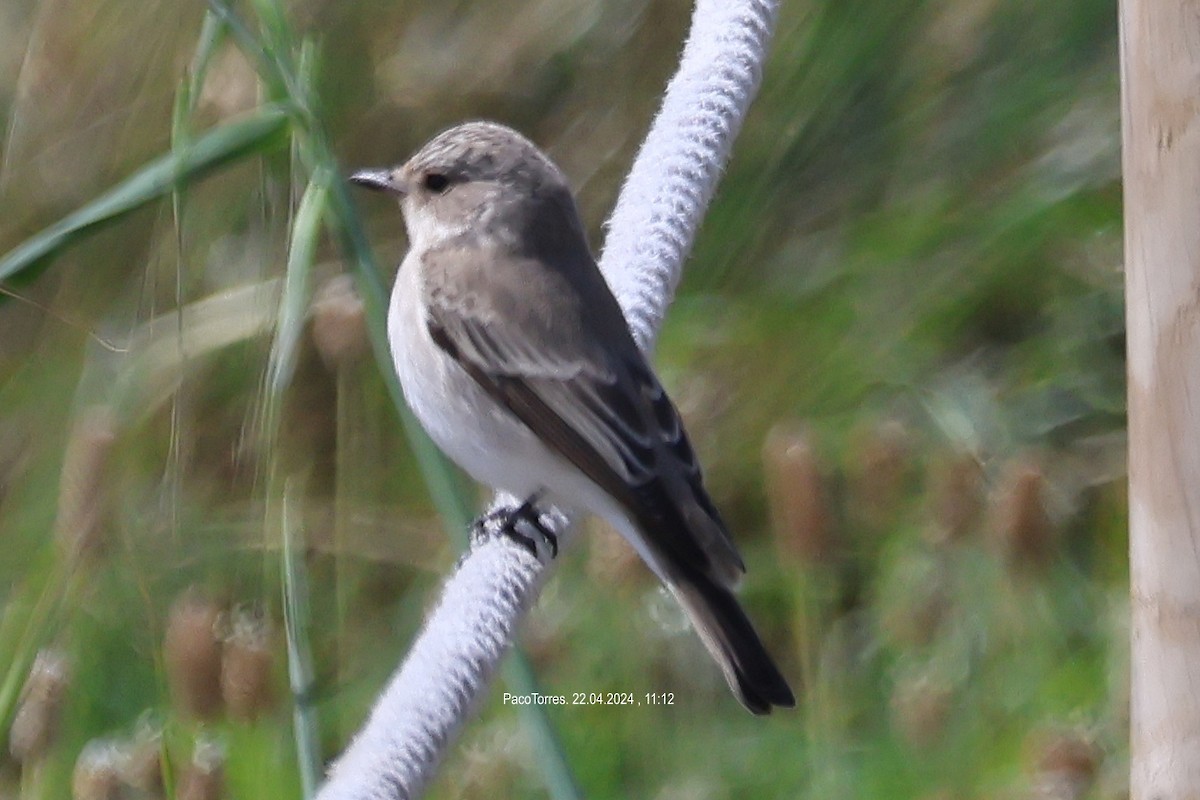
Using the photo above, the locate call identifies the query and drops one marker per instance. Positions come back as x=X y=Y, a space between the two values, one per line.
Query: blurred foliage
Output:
x=899 y=347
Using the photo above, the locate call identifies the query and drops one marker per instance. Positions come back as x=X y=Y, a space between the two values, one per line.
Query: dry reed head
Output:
x=1063 y=763
x=35 y=726
x=97 y=774
x=339 y=323
x=248 y=666
x=920 y=707
x=955 y=496
x=880 y=465
x=231 y=86
x=802 y=519
x=204 y=776
x=192 y=654
x=1021 y=527
x=82 y=498
x=142 y=767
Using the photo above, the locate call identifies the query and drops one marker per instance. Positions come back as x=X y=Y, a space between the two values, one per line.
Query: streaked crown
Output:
x=483 y=151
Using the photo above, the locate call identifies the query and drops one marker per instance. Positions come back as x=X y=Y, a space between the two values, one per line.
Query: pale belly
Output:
x=479 y=435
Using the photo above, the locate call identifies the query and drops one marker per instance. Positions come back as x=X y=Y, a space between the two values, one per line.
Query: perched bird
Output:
x=516 y=358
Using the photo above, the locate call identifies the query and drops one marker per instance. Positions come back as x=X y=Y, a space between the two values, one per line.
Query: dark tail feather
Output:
x=733 y=643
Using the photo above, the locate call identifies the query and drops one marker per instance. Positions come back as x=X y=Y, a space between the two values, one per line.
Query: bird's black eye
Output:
x=436 y=181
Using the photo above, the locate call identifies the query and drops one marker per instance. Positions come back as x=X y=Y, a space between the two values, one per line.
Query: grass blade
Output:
x=212 y=34
x=293 y=305
x=257 y=133
x=300 y=663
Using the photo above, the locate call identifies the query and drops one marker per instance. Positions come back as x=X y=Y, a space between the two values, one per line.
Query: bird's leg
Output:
x=505 y=519
x=528 y=513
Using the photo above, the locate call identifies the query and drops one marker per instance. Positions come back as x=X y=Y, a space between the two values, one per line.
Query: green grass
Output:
x=920 y=227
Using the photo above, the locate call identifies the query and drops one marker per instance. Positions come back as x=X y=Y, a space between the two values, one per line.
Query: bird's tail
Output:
x=733 y=643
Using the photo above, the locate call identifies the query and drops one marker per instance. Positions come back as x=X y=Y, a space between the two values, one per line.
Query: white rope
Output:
x=446 y=673
x=663 y=201
x=451 y=664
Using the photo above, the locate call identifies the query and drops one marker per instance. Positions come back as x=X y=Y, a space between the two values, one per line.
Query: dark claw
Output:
x=527 y=512
x=525 y=541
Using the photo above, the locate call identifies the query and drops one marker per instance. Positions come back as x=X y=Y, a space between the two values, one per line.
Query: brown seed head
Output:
x=339 y=327
x=247 y=666
x=955 y=496
x=192 y=655
x=231 y=85
x=35 y=726
x=920 y=707
x=142 y=767
x=82 y=500
x=802 y=520
x=1021 y=527
x=204 y=777
x=97 y=773
x=880 y=466
x=1064 y=764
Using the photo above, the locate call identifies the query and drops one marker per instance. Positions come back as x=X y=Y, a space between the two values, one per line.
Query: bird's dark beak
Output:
x=381 y=180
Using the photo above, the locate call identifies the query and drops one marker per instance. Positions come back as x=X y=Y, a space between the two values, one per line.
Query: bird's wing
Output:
x=569 y=370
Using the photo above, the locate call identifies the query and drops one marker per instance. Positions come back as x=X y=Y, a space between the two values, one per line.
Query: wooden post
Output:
x=1160 y=110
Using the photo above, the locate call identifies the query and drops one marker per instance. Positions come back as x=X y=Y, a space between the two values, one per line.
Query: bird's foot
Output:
x=513 y=521
x=527 y=512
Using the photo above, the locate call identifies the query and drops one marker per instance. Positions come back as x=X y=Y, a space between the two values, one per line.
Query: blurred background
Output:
x=898 y=347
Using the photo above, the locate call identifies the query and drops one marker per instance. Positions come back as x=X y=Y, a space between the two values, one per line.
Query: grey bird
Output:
x=516 y=358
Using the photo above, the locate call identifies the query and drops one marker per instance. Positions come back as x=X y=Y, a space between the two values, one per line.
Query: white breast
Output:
x=472 y=429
